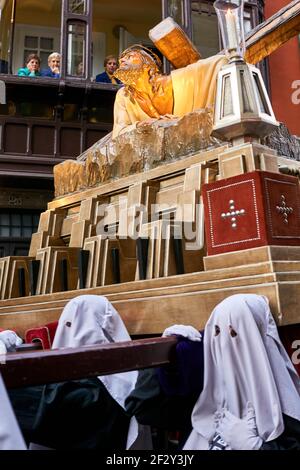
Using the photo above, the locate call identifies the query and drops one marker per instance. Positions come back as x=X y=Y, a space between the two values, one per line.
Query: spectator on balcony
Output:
x=53 y=69
x=80 y=69
x=110 y=65
x=32 y=67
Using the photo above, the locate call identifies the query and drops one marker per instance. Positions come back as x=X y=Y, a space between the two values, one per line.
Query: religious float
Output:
x=176 y=214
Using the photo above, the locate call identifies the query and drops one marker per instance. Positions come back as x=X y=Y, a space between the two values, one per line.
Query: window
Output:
x=205 y=31
x=5 y=34
x=42 y=46
x=36 y=30
x=248 y=20
x=34 y=39
x=18 y=224
x=77 y=6
x=76 y=47
x=76 y=40
x=118 y=24
x=175 y=10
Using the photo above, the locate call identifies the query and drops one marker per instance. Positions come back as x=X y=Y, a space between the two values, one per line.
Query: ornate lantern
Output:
x=242 y=106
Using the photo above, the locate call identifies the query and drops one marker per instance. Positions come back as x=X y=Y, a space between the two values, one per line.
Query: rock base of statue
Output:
x=136 y=151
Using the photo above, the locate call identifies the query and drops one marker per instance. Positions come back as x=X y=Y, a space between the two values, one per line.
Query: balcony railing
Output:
x=47 y=121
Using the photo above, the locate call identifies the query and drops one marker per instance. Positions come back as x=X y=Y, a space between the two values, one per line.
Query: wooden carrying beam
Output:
x=273 y=33
x=59 y=365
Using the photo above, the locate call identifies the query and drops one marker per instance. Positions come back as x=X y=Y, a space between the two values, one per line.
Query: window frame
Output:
x=21 y=213
x=83 y=18
x=23 y=30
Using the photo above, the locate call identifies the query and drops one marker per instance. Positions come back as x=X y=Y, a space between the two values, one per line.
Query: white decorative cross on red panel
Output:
x=233 y=214
x=284 y=210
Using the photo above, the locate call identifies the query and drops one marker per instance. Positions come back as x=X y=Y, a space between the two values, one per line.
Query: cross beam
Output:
x=266 y=38
x=273 y=33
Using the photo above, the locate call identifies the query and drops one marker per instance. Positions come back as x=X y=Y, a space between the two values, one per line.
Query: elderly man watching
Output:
x=53 y=69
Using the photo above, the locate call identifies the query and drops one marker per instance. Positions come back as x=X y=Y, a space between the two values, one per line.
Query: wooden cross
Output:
x=268 y=36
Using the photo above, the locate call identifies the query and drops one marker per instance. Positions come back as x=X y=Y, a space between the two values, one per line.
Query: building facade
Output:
x=284 y=72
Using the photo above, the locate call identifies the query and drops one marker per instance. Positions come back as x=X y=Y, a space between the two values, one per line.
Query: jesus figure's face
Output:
x=130 y=68
x=131 y=59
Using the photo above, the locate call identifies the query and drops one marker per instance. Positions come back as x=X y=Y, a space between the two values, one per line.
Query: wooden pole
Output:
x=59 y=365
x=12 y=34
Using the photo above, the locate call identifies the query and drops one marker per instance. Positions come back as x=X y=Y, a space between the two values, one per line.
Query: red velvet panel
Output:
x=250 y=210
x=44 y=334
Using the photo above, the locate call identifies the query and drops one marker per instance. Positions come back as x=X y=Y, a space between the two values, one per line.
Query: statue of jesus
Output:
x=148 y=95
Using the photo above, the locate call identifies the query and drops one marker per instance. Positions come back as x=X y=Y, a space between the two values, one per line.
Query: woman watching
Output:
x=32 y=68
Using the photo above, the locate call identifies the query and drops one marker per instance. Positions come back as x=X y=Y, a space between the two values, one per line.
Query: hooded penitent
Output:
x=91 y=319
x=10 y=434
x=244 y=361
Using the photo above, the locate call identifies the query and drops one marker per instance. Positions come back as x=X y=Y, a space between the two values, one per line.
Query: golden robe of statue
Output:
x=148 y=95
